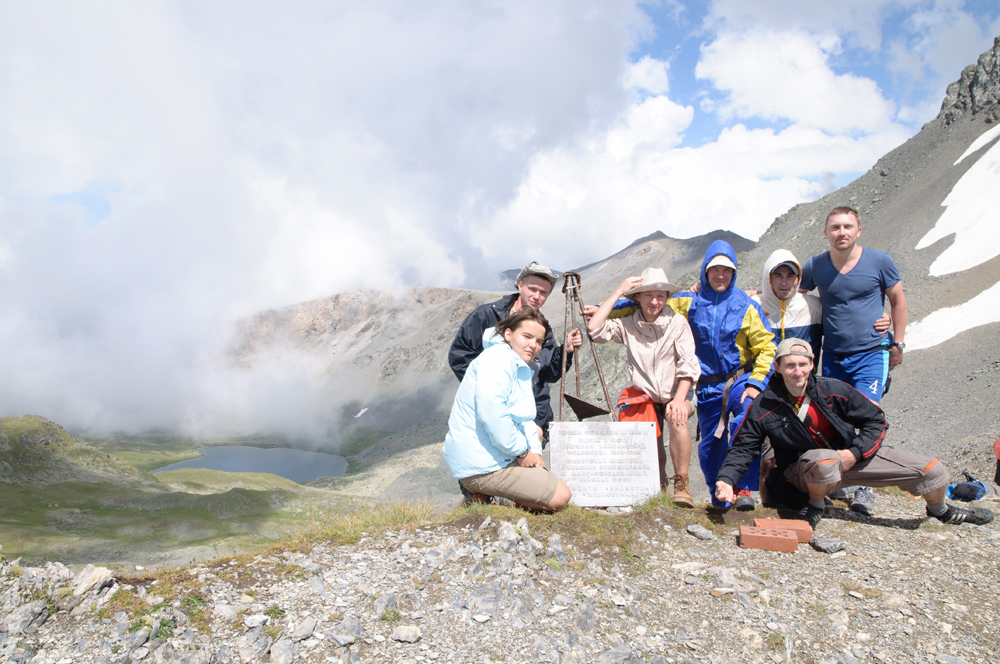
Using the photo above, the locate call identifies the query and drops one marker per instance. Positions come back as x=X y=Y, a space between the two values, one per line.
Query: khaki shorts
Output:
x=522 y=485
x=915 y=473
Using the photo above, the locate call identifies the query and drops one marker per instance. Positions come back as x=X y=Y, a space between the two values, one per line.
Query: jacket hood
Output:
x=491 y=338
x=714 y=249
x=768 y=300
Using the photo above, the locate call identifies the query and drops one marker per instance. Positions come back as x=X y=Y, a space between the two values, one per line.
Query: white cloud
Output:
x=785 y=76
x=635 y=179
x=167 y=168
x=860 y=21
x=649 y=74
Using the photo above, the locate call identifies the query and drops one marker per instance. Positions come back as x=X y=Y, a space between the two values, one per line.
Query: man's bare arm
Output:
x=897 y=311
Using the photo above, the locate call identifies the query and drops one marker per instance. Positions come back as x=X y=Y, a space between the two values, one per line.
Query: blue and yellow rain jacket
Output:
x=730 y=330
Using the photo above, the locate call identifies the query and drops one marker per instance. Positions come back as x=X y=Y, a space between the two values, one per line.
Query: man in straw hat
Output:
x=826 y=434
x=661 y=363
x=735 y=347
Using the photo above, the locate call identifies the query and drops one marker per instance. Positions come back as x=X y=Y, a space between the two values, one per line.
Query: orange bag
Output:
x=634 y=405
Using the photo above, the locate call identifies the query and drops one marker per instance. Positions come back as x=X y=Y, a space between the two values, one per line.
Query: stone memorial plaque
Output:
x=605 y=464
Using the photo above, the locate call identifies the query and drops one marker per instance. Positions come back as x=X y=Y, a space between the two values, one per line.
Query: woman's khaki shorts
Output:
x=522 y=485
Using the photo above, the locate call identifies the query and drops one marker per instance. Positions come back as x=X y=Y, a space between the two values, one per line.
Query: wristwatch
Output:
x=901 y=345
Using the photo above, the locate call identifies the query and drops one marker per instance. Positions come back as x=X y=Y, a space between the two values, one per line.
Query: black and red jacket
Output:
x=859 y=425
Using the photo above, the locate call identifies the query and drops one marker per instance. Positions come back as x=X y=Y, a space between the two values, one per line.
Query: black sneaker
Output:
x=978 y=516
x=864 y=501
x=810 y=515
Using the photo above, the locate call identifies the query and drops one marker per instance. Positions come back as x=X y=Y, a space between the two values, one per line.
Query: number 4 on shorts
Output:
x=874 y=387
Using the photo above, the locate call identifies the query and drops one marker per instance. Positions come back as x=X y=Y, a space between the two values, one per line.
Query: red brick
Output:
x=768 y=539
x=801 y=528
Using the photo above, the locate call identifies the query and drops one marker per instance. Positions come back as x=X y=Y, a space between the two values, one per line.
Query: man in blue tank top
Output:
x=853 y=283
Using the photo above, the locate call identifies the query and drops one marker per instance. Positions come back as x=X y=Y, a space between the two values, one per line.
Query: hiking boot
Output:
x=978 y=516
x=682 y=495
x=469 y=498
x=810 y=515
x=864 y=501
x=744 y=501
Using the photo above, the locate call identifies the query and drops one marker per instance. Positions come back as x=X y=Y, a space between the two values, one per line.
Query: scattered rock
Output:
x=92 y=578
x=700 y=532
x=304 y=630
x=406 y=634
x=828 y=544
x=282 y=652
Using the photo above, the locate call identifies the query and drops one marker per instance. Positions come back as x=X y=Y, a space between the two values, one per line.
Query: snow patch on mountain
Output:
x=946 y=323
x=985 y=138
x=970 y=215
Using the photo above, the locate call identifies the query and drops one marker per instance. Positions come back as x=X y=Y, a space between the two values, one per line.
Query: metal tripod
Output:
x=582 y=409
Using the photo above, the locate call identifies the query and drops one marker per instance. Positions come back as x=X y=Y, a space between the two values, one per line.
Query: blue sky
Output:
x=169 y=167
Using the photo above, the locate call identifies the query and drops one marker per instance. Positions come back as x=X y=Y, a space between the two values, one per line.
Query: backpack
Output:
x=973 y=489
x=634 y=405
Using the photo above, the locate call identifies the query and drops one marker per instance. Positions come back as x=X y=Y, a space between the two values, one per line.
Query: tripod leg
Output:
x=597 y=362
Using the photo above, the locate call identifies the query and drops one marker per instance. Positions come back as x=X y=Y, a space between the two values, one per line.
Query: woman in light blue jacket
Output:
x=492 y=446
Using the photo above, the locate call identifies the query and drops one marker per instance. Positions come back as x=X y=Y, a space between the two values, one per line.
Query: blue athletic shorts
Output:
x=867 y=372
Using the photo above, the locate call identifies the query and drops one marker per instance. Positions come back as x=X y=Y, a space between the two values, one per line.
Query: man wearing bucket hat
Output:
x=661 y=363
x=735 y=346
x=826 y=434
x=534 y=283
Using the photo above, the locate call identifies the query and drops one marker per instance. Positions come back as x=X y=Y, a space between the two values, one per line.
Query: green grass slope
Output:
x=63 y=499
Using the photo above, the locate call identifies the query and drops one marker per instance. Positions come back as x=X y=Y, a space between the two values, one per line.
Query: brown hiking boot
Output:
x=682 y=496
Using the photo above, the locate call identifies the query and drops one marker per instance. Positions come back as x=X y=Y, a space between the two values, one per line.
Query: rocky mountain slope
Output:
x=605 y=588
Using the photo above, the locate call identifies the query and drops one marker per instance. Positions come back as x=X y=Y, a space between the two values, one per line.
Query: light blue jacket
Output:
x=493 y=418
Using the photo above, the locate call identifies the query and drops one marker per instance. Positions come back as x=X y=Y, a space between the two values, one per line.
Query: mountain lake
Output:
x=295 y=465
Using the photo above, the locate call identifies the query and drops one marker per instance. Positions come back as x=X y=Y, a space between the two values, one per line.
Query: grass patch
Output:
x=655 y=502
x=164 y=632
x=776 y=641
x=895 y=491
x=349 y=528
x=869 y=593
x=390 y=616
x=274 y=612
x=125 y=599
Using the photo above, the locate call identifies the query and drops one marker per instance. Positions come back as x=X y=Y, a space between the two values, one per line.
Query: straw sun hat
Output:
x=654 y=278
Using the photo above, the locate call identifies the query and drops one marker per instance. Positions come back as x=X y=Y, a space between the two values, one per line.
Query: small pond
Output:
x=295 y=465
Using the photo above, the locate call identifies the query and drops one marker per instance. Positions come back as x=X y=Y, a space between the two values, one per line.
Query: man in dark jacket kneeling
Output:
x=824 y=434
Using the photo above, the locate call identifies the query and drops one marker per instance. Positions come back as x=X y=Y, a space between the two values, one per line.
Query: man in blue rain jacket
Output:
x=735 y=347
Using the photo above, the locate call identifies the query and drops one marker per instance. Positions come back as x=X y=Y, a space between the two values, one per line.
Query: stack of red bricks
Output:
x=775 y=534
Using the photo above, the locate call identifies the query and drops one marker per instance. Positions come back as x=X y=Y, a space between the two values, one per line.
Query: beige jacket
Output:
x=659 y=353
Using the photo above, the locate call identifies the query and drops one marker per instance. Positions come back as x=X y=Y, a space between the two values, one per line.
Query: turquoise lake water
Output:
x=295 y=465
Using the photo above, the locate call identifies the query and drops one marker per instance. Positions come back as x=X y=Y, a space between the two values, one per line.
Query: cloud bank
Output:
x=167 y=168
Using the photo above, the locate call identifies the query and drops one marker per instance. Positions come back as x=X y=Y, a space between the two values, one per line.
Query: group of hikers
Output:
x=768 y=420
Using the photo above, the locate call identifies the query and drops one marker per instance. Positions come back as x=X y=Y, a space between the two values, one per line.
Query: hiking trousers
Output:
x=712 y=451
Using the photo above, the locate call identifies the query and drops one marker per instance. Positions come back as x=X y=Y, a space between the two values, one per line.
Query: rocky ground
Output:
x=492 y=584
